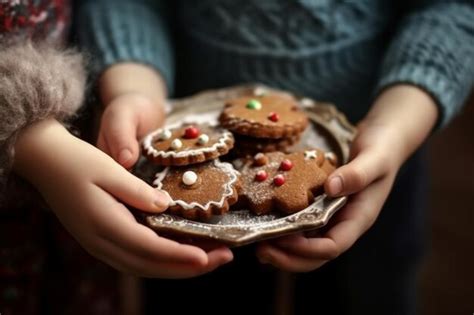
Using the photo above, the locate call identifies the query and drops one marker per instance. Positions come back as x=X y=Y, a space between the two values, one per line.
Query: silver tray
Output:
x=329 y=129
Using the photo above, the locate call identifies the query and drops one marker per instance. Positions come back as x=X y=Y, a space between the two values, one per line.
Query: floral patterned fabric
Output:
x=31 y=19
x=42 y=269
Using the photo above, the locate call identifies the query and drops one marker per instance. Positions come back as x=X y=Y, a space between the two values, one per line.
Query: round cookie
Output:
x=285 y=182
x=199 y=191
x=249 y=145
x=188 y=144
x=273 y=116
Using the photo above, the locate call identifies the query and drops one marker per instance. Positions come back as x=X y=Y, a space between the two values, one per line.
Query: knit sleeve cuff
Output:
x=121 y=31
x=433 y=50
x=36 y=82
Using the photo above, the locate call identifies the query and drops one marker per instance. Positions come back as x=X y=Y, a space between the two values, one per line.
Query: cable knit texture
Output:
x=36 y=82
x=344 y=52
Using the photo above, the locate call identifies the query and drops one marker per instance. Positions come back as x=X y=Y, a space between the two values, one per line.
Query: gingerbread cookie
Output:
x=273 y=116
x=285 y=182
x=199 y=191
x=188 y=144
x=250 y=145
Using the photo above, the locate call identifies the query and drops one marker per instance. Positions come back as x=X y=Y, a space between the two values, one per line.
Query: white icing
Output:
x=259 y=91
x=228 y=190
x=149 y=139
x=203 y=139
x=189 y=178
x=307 y=102
x=310 y=155
x=165 y=134
x=330 y=156
x=176 y=144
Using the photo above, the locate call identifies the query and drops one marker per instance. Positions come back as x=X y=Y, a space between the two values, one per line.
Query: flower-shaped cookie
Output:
x=188 y=144
x=201 y=190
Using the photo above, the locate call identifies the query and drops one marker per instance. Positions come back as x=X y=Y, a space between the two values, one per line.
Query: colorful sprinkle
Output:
x=165 y=134
x=254 y=104
x=203 y=139
x=286 y=165
x=191 y=133
x=261 y=176
x=274 y=117
x=279 y=180
x=260 y=159
x=176 y=144
x=189 y=178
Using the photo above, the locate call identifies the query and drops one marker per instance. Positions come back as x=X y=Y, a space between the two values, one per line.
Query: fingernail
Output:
x=335 y=185
x=124 y=156
x=162 y=200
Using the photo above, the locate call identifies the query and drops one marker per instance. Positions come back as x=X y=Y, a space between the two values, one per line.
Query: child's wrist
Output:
x=34 y=144
x=405 y=116
x=131 y=79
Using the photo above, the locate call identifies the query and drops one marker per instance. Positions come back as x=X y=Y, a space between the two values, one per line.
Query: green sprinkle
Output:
x=254 y=104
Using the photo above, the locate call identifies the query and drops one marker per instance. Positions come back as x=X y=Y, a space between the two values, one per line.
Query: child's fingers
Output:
x=287 y=261
x=348 y=226
x=139 y=250
x=357 y=174
x=216 y=257
x=319 y=248
x=133 y=191
x=358 y=215
x=119 y=126
x=102 y=144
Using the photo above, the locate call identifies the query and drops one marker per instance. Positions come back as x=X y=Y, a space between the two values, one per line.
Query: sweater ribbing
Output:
x=330 y=50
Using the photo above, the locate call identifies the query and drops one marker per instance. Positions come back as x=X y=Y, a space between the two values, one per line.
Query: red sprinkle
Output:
x=273 y=116
x=279 y=180
x=191 y=133
x=261 y=176
x=286 y=165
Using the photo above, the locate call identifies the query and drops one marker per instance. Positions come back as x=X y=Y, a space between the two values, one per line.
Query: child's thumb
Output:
x=354 y=176
x=134 y=191
x=120 y=133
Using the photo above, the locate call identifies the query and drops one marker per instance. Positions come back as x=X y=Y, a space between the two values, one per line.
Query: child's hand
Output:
x=134 y=98
x=399 y=121
x=85 y=188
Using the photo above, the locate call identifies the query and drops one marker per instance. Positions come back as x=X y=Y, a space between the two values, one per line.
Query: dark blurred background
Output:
x=447 y=281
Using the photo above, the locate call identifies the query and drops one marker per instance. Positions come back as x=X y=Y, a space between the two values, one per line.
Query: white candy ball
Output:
x=203 y=139
x=189 y=178
x=176 y=144
x=165 y=134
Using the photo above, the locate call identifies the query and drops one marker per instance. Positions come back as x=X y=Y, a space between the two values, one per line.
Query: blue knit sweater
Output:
x=343 y=52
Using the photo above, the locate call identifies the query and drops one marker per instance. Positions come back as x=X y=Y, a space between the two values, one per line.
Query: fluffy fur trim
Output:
x=37 y=81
